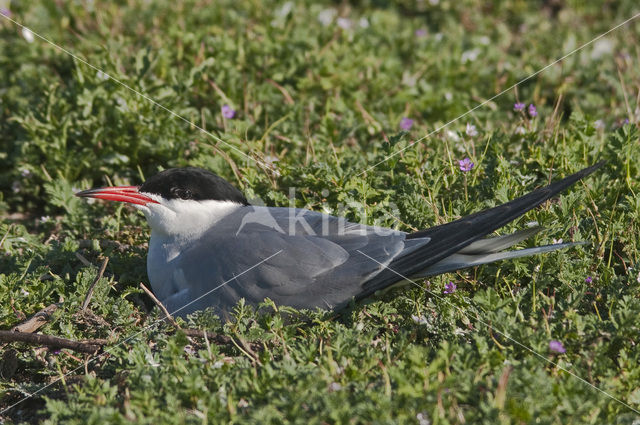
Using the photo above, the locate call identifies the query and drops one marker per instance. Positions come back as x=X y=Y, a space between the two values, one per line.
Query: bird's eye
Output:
x=183 y=193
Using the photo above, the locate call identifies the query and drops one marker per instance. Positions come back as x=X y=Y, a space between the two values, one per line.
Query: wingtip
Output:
x=578 y=175
x=586 y=171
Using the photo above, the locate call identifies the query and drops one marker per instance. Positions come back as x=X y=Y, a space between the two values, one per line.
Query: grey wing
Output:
x=318 y=259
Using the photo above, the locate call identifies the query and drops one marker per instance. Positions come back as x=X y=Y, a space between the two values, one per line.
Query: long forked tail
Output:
x=450 y=238
x=489 y=250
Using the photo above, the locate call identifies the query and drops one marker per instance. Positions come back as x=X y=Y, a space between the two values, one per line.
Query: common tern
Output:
x=209 y=247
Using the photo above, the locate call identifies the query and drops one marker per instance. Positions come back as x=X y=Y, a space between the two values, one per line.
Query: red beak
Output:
x=127 y=194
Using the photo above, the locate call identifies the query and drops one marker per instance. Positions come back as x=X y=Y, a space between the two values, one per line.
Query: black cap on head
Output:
x=192 y=183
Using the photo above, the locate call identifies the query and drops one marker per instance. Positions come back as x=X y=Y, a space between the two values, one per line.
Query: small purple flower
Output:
x=5 y=11
x=344 y=23
x=588 y=279
x=626 y=121
x=449 y=288
x=406 y=124
x=334 y=386
x=518 y=106
x=420 y=32
x=423 y=419
x=465 y=165
x=533 y=112
x=27 y=34
x=228 y=112
x=420 y=320
x=326 y=16
x=471 y=130
x=556 y=346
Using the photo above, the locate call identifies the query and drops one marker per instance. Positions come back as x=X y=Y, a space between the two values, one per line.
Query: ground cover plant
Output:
x=309 y=95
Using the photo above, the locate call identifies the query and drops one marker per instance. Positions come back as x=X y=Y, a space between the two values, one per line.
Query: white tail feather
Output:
x=461 y=261
x=489 y=245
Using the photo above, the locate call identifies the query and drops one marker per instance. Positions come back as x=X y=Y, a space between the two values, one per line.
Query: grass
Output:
x=321 y=102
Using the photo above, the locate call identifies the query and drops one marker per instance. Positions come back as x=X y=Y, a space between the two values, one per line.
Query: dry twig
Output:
x=87 y=299
x=197 y=333
x=160 y=306
x=83 y=259
x=36 y=321
x=89 y=346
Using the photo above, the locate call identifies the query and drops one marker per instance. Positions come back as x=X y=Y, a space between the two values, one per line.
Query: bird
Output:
x=209 y=247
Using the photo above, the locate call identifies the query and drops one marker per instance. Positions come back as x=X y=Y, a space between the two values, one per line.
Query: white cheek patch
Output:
x=185 y=218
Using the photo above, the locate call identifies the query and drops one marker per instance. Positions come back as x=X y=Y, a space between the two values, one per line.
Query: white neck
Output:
x=185 y=219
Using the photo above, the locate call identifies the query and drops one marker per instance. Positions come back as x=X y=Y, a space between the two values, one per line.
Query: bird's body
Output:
x=210 y=248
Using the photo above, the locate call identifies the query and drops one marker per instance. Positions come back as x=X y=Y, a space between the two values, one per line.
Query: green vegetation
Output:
x=320 y=90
